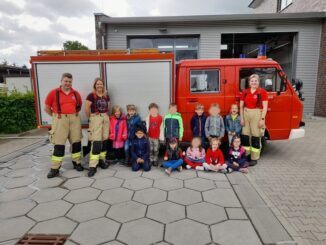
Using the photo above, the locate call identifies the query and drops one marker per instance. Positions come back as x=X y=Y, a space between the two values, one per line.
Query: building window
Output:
x=185 y=47
x=282 y=4
x=204 y=81
x=269 y=79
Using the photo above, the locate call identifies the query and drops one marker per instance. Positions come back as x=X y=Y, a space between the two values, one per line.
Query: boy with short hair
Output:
x=172 y=123
x=140 y=151
x=197 y=123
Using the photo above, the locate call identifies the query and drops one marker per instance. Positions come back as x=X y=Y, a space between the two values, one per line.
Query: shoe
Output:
x=179 y=168
x=115 y=161
x=200 y=168
x=229 y=170
x=154 y=163
x=78 y=167
x=253 y=163
x=53 y=173
x=188 y=167
x=102 y=164
x=168 y=171
x=224 y=171
x=91 y=172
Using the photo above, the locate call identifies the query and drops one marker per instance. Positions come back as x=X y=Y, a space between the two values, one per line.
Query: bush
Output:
x=17 y=112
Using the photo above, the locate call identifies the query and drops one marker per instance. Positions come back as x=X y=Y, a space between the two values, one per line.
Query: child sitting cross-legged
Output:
x=195 y=155
x=237 y=160
x=214 y=157
x=173 y=157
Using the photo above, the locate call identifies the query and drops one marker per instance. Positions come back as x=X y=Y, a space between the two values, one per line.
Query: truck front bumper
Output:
x=297 y=133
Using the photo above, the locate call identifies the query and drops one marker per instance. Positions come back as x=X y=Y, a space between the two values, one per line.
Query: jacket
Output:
x=173 y=125
x=161 y=128
x=238 y=156
x=214 y=157
x=195 y=153
x=214 y=125
x=233 y=125
x=140 y=148
x=197 y=125
x=118 y=131
x=132 y=123
x=175 y=154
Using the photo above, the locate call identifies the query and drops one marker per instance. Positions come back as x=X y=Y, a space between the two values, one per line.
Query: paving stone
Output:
x=19 y=182
x=206 y=213
x=14 y=228
x=245 y=233
x=187 y=232
x=87 y=211
x=11 y=242
x=16 y=194
x=150 y=196
x=154 y=174
x=212 y=176
x=23 y=164
x=116 y=195
x=69 y=242
x=49 y=210
x=82 y=195
x=21 y=173
x=138 y=183
x=104 y=173
x=184 y=196
x=62 y=226
x=113 y=243
x=166 y=212
x=50 y=194
x=168 y=184
x=72 y=173
x=141 y=232
x=16 y=208
x=185 y=174
x=237 y=178
x=127 y=174
x=107 y=183
x=127 y=211
x=236 y=213
x=223 y=185
x=44 y=182
x=222 y=197
x=78 y=183
x=199 y=184
x=5 y=171
x=6 y=164
x=95 y=231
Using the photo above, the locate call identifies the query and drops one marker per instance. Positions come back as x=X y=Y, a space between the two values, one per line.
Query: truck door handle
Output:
x=192 y=100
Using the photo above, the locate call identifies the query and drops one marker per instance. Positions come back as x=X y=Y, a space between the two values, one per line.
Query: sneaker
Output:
x=168 y=171
x=229 y=170
x=224 y=171
x=253 y=163
x=53 y=173
x=179 y=168
x=244 y=170
x=188 y=167
x=91 y=172
x=78 y=167
x=102 y=164
x=200 y=168
x=154 y=163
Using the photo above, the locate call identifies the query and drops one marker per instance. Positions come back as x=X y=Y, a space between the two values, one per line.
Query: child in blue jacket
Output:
x=232 y=123
x=140 y=149
x=197 y=124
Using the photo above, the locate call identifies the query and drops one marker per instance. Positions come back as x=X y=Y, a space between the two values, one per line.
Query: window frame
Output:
x=218 y=91
x=279 y=4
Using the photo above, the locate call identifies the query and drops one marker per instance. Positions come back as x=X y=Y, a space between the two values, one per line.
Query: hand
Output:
x=180 y=139
x=216 y=167
x=138 y=160
x=235 y=164
x=242 y=122
x=261 y=124
x=165 y=158
x=183 y=153
x=230 y=133
x=233 y=133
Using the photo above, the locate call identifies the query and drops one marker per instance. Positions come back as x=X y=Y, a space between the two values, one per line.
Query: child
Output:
x=118 y=133
x=214 y=157
x=140 y=151
x=172 y=124
x=195 y=155
x=197 y=123
x=237 y=160
x=173 y=157
x=214 y=125
x=232 y=123
x=154 y=127
x=133 y=121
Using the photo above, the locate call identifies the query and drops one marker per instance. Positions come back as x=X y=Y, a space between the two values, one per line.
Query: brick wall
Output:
x=320 y=104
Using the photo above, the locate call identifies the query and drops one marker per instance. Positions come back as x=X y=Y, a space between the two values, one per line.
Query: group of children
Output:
x=136 y=143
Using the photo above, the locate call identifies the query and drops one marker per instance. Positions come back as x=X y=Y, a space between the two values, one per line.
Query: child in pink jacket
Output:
x=195 y=155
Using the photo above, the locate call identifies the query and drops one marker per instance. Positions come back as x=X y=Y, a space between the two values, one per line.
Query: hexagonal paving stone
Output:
x=116 y=195
x=185 y=174
x=87 y=211
x=199 y=184
x=23 y=164
x=104 y=173
x=21 y=173
x=168 y=184
x=78 y=183
x=50 y=194
x=187 y=232
x=150 y=196
x=16 y=194
x=166 y=212
x=14 y=228
x=245 y=233
x=113 y=243
x=72 y=173
x=5 y=171
x=107 y=183
x=138 y=183
x=223 y=184
x=155 y=174
x=236 y=213
x=127 y=174
x=222 y=197
x=141 y=232
x=16 y=208
x=184 y=196
x=127 y=211
x=206 y=213
x=60 y=226
x=49 y=210
x=95 y=231
x=212 y=176
x=19 y=182
x=82 y=195
x=44 y=182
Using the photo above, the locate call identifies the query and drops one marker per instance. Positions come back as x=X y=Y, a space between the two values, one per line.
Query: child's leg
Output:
x=167 y=164
x=156 y=145
x=192 y=164
x=135 y=166
x=146 y=165
x=126 y=149
x=176 y=163
x=207 y=166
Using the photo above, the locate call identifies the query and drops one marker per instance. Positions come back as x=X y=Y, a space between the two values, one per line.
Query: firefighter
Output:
x=253 y=109
x=63 y=105
x=96 y=108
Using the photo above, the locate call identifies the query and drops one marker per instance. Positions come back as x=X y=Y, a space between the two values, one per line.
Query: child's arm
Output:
x=226 y=124
x=132 y=150
x=222 y=130
x=188 y=152
x=207 y=127
x=220 y=157
x=165 y=158
x=208 y=157
x=124 y=130
x=192 y=124
x=238 y=126
x=146 y=156
x=161 y=131
x=180 y=127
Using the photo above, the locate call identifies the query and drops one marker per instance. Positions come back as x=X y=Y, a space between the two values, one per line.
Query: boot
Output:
x=253 y=163
x=78 y=167
x=91 y=172
x=53 y=173
x=102 y=164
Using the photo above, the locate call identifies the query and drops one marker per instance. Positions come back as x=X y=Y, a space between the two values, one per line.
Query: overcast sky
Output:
x=30 y=25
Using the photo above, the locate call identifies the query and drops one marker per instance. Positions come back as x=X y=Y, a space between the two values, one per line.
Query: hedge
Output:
x=17 y=113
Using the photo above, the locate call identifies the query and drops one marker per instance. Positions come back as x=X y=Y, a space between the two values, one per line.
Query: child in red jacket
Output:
x=214 y=157
x=118 y=133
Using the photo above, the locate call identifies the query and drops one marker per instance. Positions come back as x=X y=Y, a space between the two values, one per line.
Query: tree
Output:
x=74 y=45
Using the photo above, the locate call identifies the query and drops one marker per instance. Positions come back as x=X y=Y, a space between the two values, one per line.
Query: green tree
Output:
x=74 y=45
